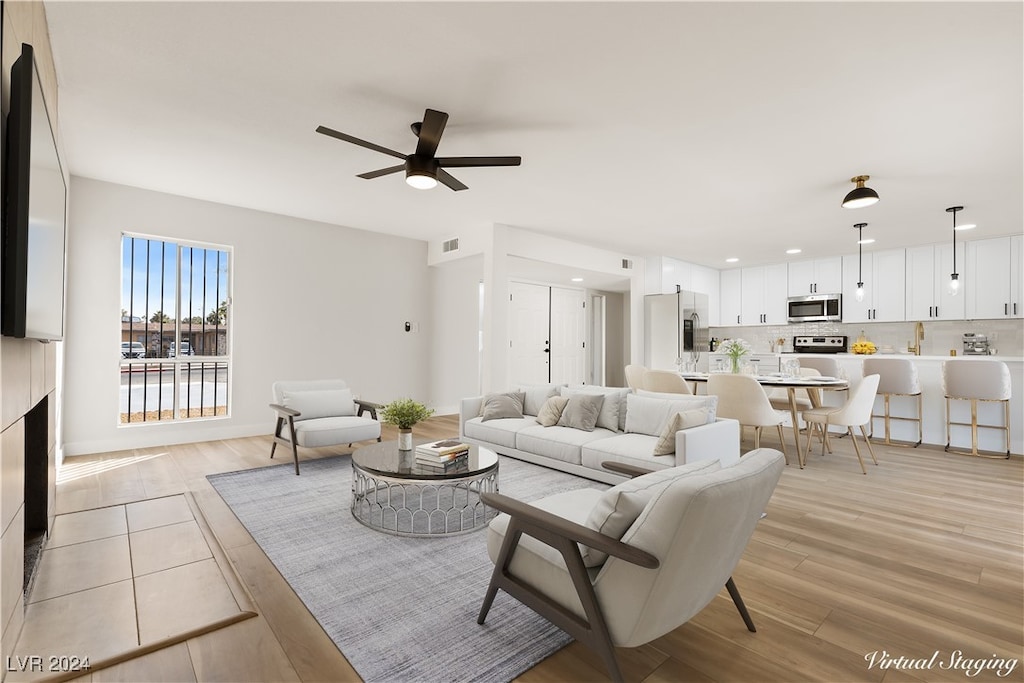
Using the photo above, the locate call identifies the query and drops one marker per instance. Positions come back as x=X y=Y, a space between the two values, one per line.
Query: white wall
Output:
x=454 y=332
x=310 y=300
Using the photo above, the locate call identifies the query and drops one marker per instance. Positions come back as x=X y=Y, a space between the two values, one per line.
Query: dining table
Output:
x=791 y=384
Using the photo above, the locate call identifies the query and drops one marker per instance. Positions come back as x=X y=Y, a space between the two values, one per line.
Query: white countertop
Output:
x=1006 y=359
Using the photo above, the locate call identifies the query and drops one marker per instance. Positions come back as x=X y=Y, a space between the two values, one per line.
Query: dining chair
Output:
x=741 y=398
x=666 y=382
x=635 y=376
x=856 y=412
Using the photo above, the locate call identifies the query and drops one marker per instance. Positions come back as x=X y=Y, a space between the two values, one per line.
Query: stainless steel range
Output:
x=826 y=344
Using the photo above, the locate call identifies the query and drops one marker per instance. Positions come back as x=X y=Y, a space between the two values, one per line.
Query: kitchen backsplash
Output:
x=1006 y=337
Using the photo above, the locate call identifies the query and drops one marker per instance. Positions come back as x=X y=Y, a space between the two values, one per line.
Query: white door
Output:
x=988 y=278
x=528 y=333
x=568 y=330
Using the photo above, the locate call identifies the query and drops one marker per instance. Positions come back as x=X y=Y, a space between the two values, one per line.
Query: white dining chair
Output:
x=856 y=412
x=635 y=376
x=741 y=398
x=666 y=382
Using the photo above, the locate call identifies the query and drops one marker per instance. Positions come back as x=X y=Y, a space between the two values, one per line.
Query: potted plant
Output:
x=404 y=413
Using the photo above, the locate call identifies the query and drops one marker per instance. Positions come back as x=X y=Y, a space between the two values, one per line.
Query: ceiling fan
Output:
x=422 y=169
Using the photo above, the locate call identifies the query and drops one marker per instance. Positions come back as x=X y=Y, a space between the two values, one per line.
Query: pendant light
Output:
x=860 y=260
x=954 y=277
x=860 y=196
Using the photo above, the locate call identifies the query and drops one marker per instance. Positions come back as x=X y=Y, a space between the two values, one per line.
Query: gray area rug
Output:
x=399 y=609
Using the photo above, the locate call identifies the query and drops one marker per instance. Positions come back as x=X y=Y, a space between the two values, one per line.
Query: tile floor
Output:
x=116 y=578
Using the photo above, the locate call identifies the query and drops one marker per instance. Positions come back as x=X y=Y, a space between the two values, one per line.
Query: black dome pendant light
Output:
x=860 y=196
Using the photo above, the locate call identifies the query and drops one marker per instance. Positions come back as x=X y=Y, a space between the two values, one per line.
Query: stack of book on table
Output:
x=445 y=455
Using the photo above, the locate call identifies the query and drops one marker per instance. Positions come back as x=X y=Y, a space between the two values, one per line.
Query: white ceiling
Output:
x=693 y=130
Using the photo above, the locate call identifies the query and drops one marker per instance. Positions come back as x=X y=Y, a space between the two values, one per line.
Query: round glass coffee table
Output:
x=393 y=493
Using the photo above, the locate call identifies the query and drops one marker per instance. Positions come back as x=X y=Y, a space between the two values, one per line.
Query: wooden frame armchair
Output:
x=320 y=413
x=690 y=528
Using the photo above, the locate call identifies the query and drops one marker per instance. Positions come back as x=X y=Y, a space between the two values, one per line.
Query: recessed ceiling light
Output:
x=966 y=226
x=732 y=259
x=866 y=241
x=793 y=251
x=577 y=279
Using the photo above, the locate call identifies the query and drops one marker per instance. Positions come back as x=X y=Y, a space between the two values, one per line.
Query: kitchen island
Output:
x=929 y=370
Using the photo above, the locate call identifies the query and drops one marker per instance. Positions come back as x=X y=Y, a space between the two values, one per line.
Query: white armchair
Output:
x=320 y=413
x=622 y=567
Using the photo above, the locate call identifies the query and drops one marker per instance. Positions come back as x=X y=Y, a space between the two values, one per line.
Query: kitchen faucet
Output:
x=918 y=336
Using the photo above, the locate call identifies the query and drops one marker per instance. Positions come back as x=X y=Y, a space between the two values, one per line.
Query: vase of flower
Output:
x=736 y=349
x=404 y=413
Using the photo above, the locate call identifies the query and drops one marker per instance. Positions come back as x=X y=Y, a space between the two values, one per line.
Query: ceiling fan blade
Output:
x=447 y=178
x=430 y=132
x=356 y=141
x=370 y=175
x=466 y=162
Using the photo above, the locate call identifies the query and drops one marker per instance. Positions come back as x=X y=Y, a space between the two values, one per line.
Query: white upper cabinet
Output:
x=884 y=274
x=730 y=296
x=763 y=295
x=927 y=293
x=820 y=276
x=993 y=286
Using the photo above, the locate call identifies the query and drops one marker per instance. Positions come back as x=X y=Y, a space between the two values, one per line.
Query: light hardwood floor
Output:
x=922 y=555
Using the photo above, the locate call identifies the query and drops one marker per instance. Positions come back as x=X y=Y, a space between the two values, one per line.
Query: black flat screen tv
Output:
x=34 y=214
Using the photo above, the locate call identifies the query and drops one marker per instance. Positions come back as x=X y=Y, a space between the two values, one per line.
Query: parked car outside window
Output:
x=133 y=350
x=186 y=350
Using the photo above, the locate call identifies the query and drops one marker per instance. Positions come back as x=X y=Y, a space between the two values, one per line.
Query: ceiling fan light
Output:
x=860 y=196
x=420 y=181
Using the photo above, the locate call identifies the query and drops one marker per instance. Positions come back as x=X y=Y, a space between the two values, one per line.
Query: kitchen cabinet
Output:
x=818 y=276
x=763 y=295
x=927 y=289
x=766 y=362
x=993 y=283
x=884 y=275
x=729 y=297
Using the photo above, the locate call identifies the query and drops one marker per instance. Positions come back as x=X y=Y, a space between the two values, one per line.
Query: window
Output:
x=175 y=330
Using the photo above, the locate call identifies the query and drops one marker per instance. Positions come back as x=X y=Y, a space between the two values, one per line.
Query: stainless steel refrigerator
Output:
x=676 y=330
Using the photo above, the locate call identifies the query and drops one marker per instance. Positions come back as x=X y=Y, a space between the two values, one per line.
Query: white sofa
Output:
x=640 y=419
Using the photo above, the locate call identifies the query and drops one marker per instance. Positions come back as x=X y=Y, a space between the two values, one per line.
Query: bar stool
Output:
x=977 y=380
x=898 y=378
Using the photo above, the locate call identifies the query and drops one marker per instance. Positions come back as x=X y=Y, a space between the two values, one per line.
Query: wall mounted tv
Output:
x=34 y=205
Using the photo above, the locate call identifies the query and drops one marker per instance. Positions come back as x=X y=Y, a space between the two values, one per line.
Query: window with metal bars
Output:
x=175 y=330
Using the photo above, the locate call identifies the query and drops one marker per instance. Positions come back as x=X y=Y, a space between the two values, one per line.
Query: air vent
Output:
x=450 y=245
x=627 y=264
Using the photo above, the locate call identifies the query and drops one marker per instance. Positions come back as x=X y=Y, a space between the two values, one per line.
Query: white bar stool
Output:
x=977 y=380
x=898 y=378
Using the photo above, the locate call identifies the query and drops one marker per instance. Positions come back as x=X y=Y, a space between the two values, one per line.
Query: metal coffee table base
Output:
x=423 y=508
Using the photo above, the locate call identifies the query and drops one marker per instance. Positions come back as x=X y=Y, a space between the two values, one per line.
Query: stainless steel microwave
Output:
x=815 y=308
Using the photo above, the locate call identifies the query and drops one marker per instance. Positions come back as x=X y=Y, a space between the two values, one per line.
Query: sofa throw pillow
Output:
x=536 y=395
x=497 y=406
x=622 y=504
x=319 y=403
x=649 y=415
x=683 y=420
x=613 y=415
x=581 y=411
x=551 y=411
